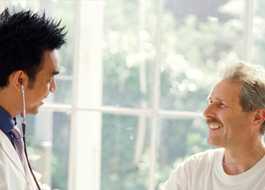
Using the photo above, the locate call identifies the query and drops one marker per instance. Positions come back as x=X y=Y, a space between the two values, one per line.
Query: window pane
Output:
x=196 y=37
x=128 y=54
x=125 y=160
x=179 y=139
x=63 y=10
x=259 y=32
x=48 y=147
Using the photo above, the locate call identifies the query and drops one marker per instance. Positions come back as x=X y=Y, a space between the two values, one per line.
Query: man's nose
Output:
x=209 y=111
x=52 y=86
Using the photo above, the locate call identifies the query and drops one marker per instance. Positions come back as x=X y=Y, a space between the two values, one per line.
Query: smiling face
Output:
x=44 y=82
x=228 y=125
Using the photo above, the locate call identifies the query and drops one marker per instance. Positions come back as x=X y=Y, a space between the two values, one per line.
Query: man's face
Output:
x=228 y=125
x=44 y=82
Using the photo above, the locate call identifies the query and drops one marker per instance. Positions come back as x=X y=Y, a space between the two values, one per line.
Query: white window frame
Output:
x=154 y=113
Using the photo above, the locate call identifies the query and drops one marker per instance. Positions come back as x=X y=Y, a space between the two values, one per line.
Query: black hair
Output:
x=24 y=36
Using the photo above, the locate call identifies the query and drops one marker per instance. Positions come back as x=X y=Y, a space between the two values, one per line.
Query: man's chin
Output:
x=33 y=110
x=215 y=143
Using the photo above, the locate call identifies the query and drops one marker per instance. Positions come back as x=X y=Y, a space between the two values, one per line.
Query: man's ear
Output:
x=18 y=78
x=259 y=116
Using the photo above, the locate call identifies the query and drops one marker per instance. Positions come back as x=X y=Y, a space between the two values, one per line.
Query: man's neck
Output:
x=242 y=159
x=8 y=103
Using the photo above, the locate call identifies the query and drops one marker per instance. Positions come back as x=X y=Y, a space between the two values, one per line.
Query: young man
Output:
x=28 y=63
x=236 y=120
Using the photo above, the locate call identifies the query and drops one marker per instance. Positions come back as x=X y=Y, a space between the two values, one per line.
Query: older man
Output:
x=236 y=123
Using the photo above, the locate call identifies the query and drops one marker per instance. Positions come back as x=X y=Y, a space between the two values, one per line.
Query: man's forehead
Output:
x=225 y=90
x=56 y=57
x=52 y=62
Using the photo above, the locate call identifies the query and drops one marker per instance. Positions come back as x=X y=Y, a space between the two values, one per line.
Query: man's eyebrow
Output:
x=209 y=98
x=55 y=73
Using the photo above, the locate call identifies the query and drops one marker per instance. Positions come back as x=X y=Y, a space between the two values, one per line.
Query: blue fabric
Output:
x=6 y=123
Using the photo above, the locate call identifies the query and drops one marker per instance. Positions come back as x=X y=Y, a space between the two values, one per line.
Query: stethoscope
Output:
x=23 y=124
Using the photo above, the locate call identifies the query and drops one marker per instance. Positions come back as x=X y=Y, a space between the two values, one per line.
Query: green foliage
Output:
x=118 y=168
x=191 y=50
x=124 y=80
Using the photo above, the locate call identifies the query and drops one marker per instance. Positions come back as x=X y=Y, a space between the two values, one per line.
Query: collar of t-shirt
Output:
x=6 y=123
x=255 y=172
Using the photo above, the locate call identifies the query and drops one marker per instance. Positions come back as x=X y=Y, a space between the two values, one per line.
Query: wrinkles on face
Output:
x=223 y=114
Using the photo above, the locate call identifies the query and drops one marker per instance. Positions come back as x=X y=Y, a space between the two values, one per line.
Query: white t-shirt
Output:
x=204 y=171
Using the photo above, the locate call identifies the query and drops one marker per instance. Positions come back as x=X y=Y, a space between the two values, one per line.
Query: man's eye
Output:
x=210 y=102
x=222 y=105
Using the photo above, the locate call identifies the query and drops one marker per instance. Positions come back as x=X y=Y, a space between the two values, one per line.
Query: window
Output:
x=134 y=80
x=258 y=33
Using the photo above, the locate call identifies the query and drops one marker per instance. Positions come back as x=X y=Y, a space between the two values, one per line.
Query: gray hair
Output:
x=252 y=92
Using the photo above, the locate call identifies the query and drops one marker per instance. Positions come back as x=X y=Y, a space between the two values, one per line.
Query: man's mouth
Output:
x=214 y=125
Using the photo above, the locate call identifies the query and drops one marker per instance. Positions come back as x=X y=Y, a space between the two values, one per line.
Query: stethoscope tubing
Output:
x=23 y=115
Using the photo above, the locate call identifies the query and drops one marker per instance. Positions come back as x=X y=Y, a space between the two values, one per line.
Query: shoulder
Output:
x=191 y=169
x=204 y=157
x=4 y=141
x=11 y=173
x=203 y=161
